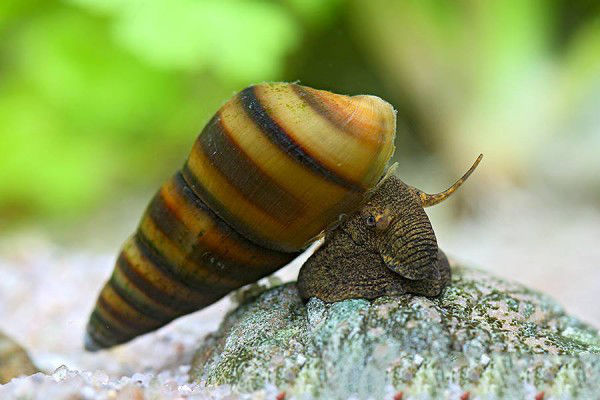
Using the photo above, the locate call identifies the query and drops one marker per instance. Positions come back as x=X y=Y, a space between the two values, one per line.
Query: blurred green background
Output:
x=100 y=100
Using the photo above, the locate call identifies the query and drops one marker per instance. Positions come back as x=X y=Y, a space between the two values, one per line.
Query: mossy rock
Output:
x=14 y=361
x=484 y=335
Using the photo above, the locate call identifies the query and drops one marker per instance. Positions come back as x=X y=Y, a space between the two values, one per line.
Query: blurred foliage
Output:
x=507 y=78
x=101 y=98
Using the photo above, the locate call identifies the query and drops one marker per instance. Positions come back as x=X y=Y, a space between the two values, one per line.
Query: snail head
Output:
x=393 y=224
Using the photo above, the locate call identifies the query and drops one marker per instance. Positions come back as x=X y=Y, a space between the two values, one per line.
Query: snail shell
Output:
x=275 y=165
x=14 y=360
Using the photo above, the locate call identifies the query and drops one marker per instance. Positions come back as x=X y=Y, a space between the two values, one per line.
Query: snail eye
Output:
x=371 y=221
x=383 y=222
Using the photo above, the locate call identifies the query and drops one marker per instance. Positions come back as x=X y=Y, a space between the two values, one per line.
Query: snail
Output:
x=272 y=170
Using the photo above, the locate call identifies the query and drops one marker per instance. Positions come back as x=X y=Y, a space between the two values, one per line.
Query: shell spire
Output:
x=275 y=165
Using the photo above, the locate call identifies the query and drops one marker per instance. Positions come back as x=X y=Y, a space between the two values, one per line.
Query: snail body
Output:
x=388 y=247
x=276 y=165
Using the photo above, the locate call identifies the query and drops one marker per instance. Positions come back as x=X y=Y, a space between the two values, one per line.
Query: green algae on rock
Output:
x=14 y=361
x=484 y=335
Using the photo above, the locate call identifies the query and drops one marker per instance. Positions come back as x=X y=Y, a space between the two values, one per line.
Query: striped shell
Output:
x=277 y=164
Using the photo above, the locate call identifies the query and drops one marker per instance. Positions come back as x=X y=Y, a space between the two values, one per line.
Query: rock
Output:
x=14 y=361
x=484 y=335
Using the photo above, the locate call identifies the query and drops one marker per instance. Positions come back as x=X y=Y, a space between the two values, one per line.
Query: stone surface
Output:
x=484 y=335
x=14 y=361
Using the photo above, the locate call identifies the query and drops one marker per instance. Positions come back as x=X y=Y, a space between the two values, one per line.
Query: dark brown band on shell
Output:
x=220 y=210
x=244 y=174
x=279 y=137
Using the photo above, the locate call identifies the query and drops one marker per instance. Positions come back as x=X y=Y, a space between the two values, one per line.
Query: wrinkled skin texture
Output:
x=386 y=248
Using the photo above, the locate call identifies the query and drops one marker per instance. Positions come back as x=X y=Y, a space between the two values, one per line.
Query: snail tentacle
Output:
x=428 y=200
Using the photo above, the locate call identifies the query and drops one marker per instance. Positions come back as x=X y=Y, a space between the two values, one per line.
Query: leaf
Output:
x=238 y=40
